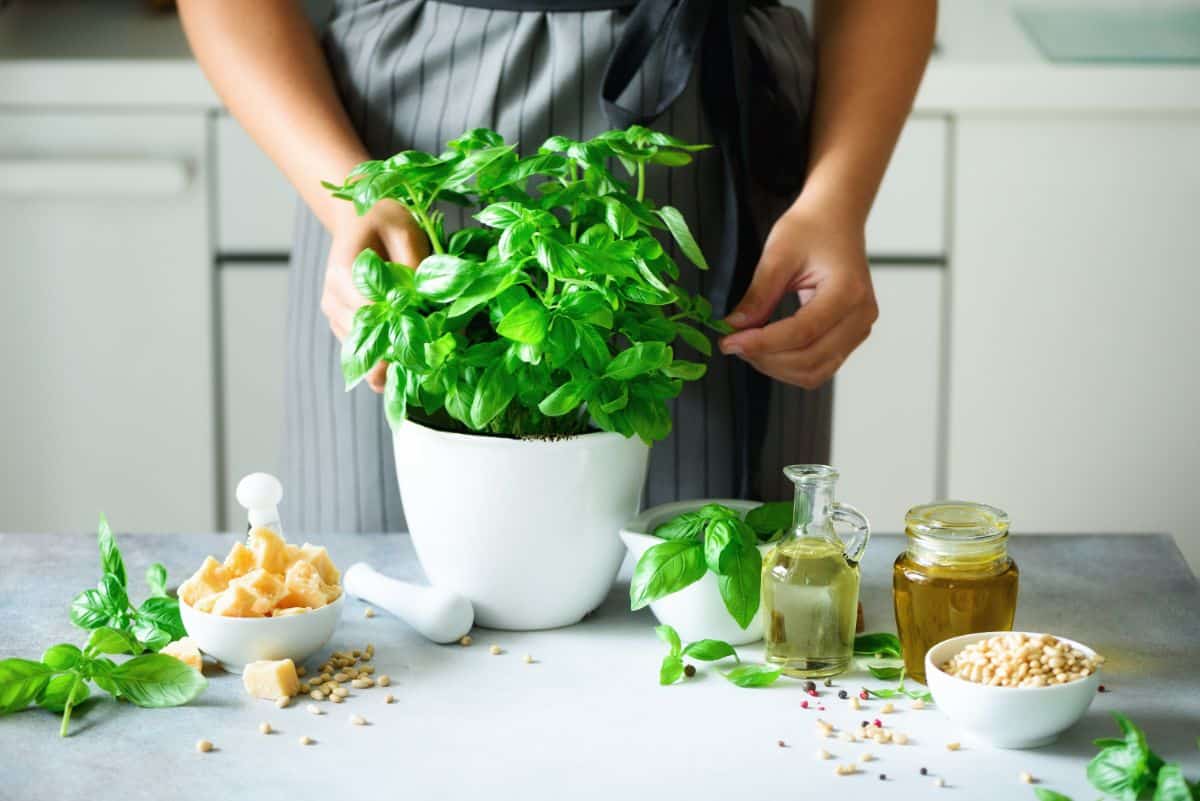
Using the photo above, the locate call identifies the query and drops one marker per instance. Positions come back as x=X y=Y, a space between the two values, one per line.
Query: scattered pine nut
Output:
x=527 y=659
x=368 y=612
x=383 y=680
x=389 y=699
x=823 y=754
x=306 y=740
x=900 y=738
x=305 y=688
x=918 y=704
x=357 y=653
x=340 y=677
x=369 y=650
x=366 y=670
x=495 y=650
x=203 y=746
x=953 y=746
x=264 y=728
x=866 y=757
x=1026 y=777
x=847 y=737
x=313 y=709
x=465 y=640
x=301 y=671
x=939 y=782
x=337 y=699
x=358 y=720
x=351 y=672
x=888 y=708
x=845 y=770
x=855 y=703
x=325 y=676
x=317 y=695
x=341 y=692
x=283 y=701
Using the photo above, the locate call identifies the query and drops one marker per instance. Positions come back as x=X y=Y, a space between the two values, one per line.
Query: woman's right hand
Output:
x=390 y=231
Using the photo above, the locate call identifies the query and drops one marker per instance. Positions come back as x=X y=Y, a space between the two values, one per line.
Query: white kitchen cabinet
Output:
x=887 y=407
x=908 y=219
x=256 y=206
x=108 y=359
x=253 y=318
x=1075 y=381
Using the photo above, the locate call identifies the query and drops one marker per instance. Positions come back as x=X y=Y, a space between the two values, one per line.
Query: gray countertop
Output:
x=587 y=720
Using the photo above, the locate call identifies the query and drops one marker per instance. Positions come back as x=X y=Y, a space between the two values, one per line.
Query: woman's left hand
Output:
x=822 y=256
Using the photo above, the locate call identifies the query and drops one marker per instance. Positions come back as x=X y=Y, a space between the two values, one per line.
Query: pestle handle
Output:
x=438 y=614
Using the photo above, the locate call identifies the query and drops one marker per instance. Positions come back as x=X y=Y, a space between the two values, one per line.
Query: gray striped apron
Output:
x=412 y=75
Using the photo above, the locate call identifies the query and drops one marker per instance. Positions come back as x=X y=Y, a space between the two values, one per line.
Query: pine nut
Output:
x=384 y=680
x=204 y=746
x=528 y=659
x=823 y=754
x=340 y=677
x=358 y=720
x=887 y=708
x=866 y=757
x=368 y=612
x=953 y=746
x=264 y=728
x=313 y=709
x=918 y=704
x=900 y=738
x=465 y=640
x=495 y=650
x=306 y=740
x=1026 y=777
x=366 y=669
x=301 y=671
x=283 y=701
x=317 y=695
x=389 y=699
x=341 y=692
x=337 y=699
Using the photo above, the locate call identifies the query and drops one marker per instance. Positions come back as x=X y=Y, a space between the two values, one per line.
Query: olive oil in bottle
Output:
x=810 y=581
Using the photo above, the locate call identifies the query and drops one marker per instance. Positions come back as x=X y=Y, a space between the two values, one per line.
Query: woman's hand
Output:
x=391 y=232
x=822 y=256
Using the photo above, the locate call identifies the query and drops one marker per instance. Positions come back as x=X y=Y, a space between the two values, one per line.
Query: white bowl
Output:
x=697 y=611
x=1007 y=717
x=236 y=641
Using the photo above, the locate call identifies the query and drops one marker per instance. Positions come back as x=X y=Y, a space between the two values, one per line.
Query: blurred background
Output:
x=1035 y=247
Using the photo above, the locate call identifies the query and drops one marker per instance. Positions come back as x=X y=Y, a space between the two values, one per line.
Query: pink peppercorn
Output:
x=813 y=693
x=804 y=704
x=878 y=723
x=864 y=695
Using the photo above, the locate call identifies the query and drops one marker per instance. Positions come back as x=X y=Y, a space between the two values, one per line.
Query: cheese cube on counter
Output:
x=185 y=651
x=271 y=680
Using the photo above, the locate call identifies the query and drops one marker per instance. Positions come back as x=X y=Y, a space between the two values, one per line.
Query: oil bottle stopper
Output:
x=260 y=494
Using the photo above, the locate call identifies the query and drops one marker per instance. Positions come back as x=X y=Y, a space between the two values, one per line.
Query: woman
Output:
x=393 y=75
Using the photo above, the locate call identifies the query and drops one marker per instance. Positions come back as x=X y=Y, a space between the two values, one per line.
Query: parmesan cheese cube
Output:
x=318 y=557
x=271 y=680
x=291 y=553
x=303 y=587
x=185 y=651
x=266 y=588
x=210 y=579
x=240 y=561
x=269 y=551
x=237 y=601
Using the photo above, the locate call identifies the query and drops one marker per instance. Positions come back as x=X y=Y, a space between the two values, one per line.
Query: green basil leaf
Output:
x=1119 y=772
x=716 y=511
x=694 y=338
x=678 y=227
x=1171 y=785
x=395 y=396
x=709 y=650
x=490 y=280
x=500 y=215
x=650 y=418
x=671 y=670
x=687 y=526
x=740 y=585
x=442 y=278
x=671 y=158
x=770 y=518
x=371 y=276
x=553 y=257
x=113 y=590
x=671 y=637
x=107 y=640
x=59 y=689
x=919 y=695
x=877 y=644
x=688 y=371
x=437 y=351
x=99 y=669
x=364 y=346
x=587 y=306
x=156 y=579
x=638 y=359
x=21 y=683
x=110 y=555
x=885 y=672
x=89 y=610
x=886 y=693
x=722 y=546
x=753 y=675
x=411 y=335
x=1049 y=795
x=526 y=322
x=516 y=238
x=157 y=680
x=161 y=613
x=593 y=347
x=564 y=399
x=1108 y=742
x=665 y=568
x=619 y=218
x=494 y=392
x=63 y=656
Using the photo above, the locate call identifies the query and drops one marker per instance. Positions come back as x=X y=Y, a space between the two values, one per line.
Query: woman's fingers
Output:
x=377 y=377
x=811 y=366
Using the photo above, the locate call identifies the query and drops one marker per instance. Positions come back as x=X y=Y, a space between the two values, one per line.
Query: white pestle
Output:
x=438 y=614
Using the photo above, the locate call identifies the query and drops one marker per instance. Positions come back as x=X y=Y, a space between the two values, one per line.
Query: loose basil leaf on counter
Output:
x=156 y=580
x=753 y=675
x=666 y=568
x=1171 y=785
x=878 y=644
x=63 y=656
x=163 y=613
x=90 y=609
x=110 y=557
x=21 y=682
x=671 y=670
x=63 y=688
x=157 y=680
x=1049 y=795
x=107 y=640
x=709 y=650
x=885 y=673
x=671 y=637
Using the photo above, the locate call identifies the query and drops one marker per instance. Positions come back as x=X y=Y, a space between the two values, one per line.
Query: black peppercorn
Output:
x=809 y=687
x=883 y=777
x=924 y=771
x=843 y=694
x=689 y=670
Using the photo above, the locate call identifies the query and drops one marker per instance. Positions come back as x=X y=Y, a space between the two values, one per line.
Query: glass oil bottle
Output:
x=810 y=580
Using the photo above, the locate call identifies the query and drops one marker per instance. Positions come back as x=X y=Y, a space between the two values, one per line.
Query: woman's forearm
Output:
x=263 y=59
x=870 y=58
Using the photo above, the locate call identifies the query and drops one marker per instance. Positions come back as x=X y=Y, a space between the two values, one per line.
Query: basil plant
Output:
x=557 y=314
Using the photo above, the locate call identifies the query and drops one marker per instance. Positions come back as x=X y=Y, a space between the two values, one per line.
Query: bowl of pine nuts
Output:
x=1013 y=689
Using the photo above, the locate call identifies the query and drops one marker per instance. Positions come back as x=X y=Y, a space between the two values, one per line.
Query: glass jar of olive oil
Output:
x=954 y=578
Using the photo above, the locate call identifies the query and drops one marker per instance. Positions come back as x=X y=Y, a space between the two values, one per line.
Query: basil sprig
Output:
x=712 y=538
x=1127 y=769
x=560 y=312
x=61 y=680
x=885 y=648
x=743 y=675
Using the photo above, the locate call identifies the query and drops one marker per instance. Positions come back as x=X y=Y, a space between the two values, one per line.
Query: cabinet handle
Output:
x=82 y=178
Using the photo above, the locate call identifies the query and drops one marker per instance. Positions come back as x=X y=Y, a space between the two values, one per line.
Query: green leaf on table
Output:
x=687 y=526
x=1171 y=785
x=885 y=672
x=1049 y=795
x=156 y=580
x=671 y=670
x=107 y=640
x=1120 y=772
x=89 y=610
x=671 y=637
x=63 y=656
x=770 y=518
x=665 y=568
x=157 y=680
x=877 y=644
x=753 y=675
x=709 y=650
x=158 y=622
x=21 y=683
x=740 y=585
x=59 y=689
x=110 y=555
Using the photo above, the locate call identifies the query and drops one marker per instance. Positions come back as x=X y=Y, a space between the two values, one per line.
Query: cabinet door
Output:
x=886 y=408
x=107 y=365
x=253 y=316
x=908 y=218
x=255 y=205
x=1074 y=375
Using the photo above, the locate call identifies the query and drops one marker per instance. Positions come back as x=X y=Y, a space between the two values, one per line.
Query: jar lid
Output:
x=960 y=521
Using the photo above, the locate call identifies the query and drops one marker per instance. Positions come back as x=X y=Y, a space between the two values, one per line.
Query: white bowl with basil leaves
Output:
x=698 y=564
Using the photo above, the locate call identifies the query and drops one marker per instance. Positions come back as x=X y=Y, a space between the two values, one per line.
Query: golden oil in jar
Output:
x=954 y=578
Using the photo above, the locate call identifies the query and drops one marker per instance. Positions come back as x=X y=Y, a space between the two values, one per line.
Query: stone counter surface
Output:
x=586 y=720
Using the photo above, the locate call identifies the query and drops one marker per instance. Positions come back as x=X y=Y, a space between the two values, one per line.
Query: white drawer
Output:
x=254 y=203
x=909 y=217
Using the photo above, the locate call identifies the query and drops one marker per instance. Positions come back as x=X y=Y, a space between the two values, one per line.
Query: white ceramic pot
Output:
x=524 y=528
x=1007 y=717
x=697 y=611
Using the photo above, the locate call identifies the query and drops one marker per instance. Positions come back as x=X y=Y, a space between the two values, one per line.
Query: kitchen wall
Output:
x=1034 y=250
